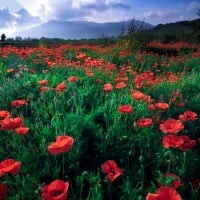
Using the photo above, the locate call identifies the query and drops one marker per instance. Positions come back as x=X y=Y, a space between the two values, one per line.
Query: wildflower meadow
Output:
x=98 y=122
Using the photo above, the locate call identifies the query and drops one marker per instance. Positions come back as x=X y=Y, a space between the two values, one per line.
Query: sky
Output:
x=23 y=14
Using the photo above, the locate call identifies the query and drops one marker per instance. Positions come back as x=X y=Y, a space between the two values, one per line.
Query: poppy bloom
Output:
x=173 y=141
x=17 y=103
x=72 y=79
x=171 y=126
x=3 y=191
x=144 y=122
x=9 y=166
x=62 y=145
x=60 y=87
x=4 y=114
x=187 y=143
x=137 y=95
x=111 y=169
x=125 y=109
x=56 y=190
x=162 y=105
x=120 y=85
x=43 y=82
x=22 y=130
x=11 y=123
x=10 y=70
x=43 y=89
x=188 y=116
x=164 y=193
x=107 y=87
x=171 y=180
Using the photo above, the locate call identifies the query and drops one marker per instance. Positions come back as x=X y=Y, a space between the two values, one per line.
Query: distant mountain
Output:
x=177 y=27
x=78 y=29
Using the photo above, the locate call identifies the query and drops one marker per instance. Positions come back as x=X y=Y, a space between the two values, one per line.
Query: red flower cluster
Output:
x=56 y=190
x=182 y=142
x=62 y=145
x=111 y=169
x=9 y=123
x=9 y=166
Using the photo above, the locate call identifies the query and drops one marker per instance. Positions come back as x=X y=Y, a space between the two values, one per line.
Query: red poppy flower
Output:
x=188 y=116
x=120 y=85
x=22 y=130
x=56 y=190
x=111 y=169
x=60 y=87
x=162 y=106
x=137 y=95
x=43 y=82
x=144 y=122
x=171 y=126
x=11 y=123
x=125 y=109
x=9 y=166
x=187 y=143
x=173 y=141
x=171 y=180
x=43 y=89
x=107 y=87
x=17 y=103
x=164 y=193
x=72 y=79
x=10 y=70
x=4 y=114
x=3 y=191
x=62 y=145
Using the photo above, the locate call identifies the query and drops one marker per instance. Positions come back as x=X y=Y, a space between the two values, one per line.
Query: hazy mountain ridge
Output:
x=77 y=29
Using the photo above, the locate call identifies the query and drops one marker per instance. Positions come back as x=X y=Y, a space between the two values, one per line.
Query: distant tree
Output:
x=3 y=37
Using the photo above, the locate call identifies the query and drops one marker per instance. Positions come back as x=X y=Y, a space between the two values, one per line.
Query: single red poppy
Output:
x=62 y=145
x=72 y=79
x=17 y=103
x=43 y=82
x=4 y=114
x=173 y=141
x=137 y=95
x=144 y=122
x=120 y=85
x=162 y=105
x=111 y=169
x=107 y=87
x=22 y=130
x=125 y=109
x=11 y=123
x=9 y=166
x=187 y=143
x=188 y=116
x=164 y=193
x=171 y=126
x=56 y=190
x=60 y=87
x=3 y=191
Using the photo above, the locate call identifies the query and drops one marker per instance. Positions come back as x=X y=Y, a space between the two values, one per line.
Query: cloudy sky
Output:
x=23 y=14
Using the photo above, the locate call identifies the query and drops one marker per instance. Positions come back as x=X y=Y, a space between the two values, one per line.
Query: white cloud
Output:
x=75 y=9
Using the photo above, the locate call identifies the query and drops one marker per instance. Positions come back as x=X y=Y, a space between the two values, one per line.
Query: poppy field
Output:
x=94 y=122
